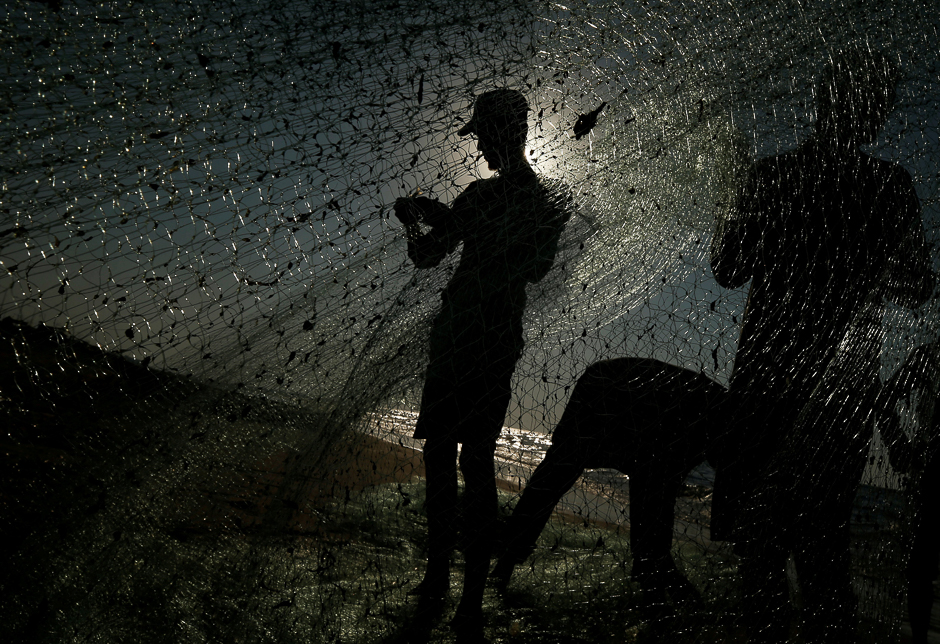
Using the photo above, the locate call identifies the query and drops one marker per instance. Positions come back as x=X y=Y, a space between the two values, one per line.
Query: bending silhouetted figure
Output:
x=821 y=232
x=651 y=421
x=509 y=226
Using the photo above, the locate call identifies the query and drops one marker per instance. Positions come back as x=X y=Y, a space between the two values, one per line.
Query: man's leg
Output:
x=827 y=459
x=654 y=487
x=478 y=469
x=763 y=529
x=924 y=563
x=823 y=568
x=554 y=476
x=440 y=463
x=764 y=587
x=919 y=604
x=921 y=572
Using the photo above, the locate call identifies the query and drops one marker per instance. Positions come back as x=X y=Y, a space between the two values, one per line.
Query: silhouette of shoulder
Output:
x=809 y=194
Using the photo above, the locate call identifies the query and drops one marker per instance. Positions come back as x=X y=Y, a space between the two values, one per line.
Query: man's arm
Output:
x=917 y=372
x=909 y=279
x=426 y=249
x=547 y=235
x=735 y=241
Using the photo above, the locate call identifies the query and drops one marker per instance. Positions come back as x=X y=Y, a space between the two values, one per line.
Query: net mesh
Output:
x=214 y=341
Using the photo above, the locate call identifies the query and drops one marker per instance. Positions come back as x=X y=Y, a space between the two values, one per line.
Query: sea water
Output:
x=599 y=496
x=603 y=495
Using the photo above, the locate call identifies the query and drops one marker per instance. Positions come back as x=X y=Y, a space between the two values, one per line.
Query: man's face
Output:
x=871 y=115
x=489 y=147
x=859 y=114
x=858 y=102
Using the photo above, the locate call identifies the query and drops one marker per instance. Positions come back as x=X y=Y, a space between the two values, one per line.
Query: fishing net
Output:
x=214 y=341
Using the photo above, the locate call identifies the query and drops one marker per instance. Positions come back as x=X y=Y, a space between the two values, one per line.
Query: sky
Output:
x=210 y=188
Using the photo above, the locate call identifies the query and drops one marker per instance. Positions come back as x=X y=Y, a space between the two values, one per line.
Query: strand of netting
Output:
x=215 y=342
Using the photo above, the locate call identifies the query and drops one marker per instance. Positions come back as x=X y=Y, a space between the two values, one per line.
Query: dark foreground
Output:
x=140 y=506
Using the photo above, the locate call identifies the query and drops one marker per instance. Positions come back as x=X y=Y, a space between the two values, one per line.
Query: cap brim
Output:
x=467 y=129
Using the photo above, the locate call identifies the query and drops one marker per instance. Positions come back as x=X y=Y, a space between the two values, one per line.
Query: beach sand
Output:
x=355 y=466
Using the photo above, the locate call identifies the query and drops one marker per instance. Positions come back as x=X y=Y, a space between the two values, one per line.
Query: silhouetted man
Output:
x=509 y=226
x=918 y=457
x=820 y=232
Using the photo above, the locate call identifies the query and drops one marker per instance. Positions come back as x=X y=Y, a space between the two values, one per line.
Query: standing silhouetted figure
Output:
x=821 y=232
x=509 y=226
x=918 y=457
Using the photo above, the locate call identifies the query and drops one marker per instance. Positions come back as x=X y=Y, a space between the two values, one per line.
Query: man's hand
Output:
x=407 y=210
x=411 y=210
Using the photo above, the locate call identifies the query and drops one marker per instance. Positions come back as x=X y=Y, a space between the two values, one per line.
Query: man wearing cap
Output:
x=509 y=226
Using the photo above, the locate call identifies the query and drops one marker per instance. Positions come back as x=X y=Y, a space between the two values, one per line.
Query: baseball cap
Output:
x=497 y=109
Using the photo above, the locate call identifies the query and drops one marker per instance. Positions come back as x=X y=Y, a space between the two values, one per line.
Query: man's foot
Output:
x=468 y=625
x=431 y=593
x=501 y=574
x=429 y=611
x=436 y=582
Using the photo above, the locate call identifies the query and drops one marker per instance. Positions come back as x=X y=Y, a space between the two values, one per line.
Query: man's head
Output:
x=855 y=95
x=500 y=121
